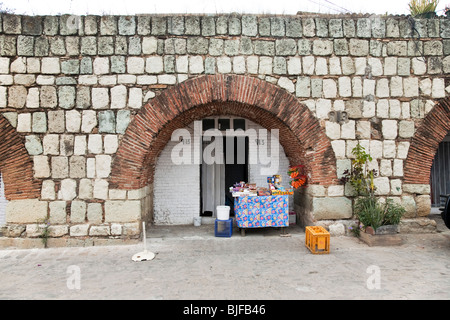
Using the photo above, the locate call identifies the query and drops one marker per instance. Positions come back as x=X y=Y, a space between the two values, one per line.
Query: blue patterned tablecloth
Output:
x=260 y=212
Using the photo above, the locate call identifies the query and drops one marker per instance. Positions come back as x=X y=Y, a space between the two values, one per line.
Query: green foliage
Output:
x=371 y=212
x=359 y=177
x=417 y=7
x=44 y=231
x=367 y=208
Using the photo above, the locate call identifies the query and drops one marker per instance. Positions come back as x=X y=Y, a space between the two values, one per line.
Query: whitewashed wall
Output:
x=177 y=187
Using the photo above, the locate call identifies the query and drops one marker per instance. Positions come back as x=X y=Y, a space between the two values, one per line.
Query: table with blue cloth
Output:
x=261 y=212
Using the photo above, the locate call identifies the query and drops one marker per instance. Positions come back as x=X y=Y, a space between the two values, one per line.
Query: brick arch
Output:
x=301 y=135
x=425 y=142
x=16 y=165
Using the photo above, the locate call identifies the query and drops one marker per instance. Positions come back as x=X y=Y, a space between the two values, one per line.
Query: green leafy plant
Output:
x=360 y=178
x=367 y=207
x=418 y=7
x=45 y=234
x=371 y=212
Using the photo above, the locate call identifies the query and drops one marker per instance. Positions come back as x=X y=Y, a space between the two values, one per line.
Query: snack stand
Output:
x=261 y=207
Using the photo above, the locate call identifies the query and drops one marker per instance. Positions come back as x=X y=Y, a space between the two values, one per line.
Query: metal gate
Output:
x=440 y=172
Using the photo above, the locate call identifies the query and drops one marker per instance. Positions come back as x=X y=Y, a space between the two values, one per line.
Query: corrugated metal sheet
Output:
x=440 y=173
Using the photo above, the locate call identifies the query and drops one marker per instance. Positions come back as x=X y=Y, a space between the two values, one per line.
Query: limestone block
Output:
x=329 y=88
x=85 y=189
x=78 y=211
x=332 y=208
x=123 y=119
x=238 y=65
x=382 y=186
x=303 y=87
x=249 y=25
x=50 y=66
x=438 y=90
x=66 y=97
x=308 y=65
x=336 y=191
x=88 y=121
x=57 y=211
x=410 y=206
x=77 y=167
x=389 y=129
x=385 y=168
x=396 y=187
x=149 y=45
x=103 y=166
x=423 y=205
x=101 y=65
x=33 y=145
x=135 y=65
x=26 y=211
x=41 y=167
x=286 y=47
x=67 y=190
x=406 y=129
x=336 y=229
x=24 y=122
x=416 y=188
x=154 y=65
x=389 y=149
x=99 y=231
x=333 y=130
x=322 y=47
x=398 y=168
x=196 y=64
x=17 y=96
x=48 y=97
x=100 y=190
x=359 y=47
x=60 y=167
x=348 y=130
x=79 y=230
x=94 y=212
x=100 y=98
x=411 y=87
x=95 y=144
x=338 y=148
x=122 y=211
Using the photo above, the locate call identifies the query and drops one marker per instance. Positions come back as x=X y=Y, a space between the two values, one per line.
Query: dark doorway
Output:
x=236 y=165
x=440 y=173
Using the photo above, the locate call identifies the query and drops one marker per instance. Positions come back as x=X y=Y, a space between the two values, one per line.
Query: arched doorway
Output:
x=303 y=139
x=440 y=172
x=230 y=149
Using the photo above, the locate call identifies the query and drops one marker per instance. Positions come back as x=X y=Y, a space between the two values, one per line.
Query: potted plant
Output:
x=423 y=9
x=374 y=216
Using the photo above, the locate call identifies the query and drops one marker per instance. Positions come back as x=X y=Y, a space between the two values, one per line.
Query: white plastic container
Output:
x=197 y=221
x=223 y=212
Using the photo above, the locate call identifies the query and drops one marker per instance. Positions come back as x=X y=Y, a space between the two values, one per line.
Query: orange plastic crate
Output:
x=317 y=239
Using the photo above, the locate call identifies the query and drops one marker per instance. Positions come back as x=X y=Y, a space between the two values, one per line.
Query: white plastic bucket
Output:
x=197 y=221
x=223 y=212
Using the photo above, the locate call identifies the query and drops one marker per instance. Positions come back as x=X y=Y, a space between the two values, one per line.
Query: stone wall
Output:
x=72 y=86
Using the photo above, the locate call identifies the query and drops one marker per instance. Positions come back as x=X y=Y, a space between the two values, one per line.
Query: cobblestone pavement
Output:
x=191 y=263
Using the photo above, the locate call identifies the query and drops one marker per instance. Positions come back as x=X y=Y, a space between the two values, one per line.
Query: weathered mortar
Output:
x=70 y=86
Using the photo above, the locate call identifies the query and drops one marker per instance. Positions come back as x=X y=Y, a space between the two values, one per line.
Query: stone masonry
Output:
x=80 y=94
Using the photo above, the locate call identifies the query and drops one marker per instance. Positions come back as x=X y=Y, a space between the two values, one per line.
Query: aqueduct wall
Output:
x=88 y=102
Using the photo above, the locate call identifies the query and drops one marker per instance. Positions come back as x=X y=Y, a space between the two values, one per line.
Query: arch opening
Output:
x=300 y=134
